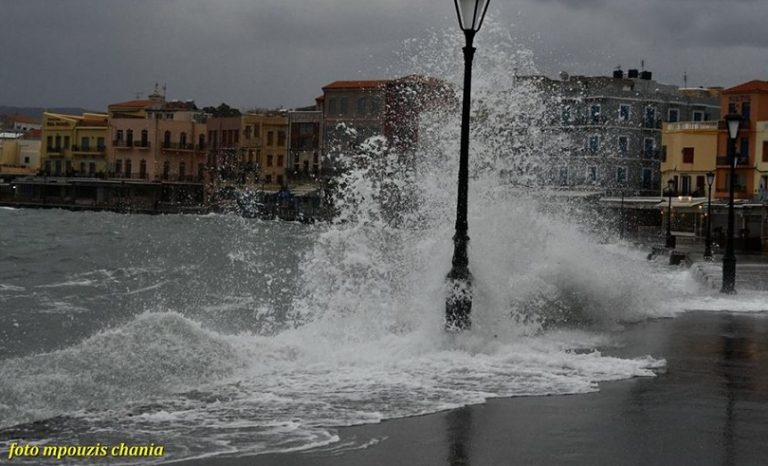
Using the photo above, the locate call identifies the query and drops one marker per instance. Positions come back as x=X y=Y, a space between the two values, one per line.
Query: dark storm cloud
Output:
x=281 y=52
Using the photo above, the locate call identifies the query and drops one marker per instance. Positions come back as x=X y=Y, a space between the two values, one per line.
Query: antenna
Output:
x=642 y=65
x=685 y=79
x=165 y=88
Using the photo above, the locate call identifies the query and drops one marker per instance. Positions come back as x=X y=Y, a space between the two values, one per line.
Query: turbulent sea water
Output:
x=221 y=335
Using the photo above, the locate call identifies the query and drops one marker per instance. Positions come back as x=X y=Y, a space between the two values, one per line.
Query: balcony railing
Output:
x=98 y=150
x=724 y=162
x=179 y=146
x=121 y=144
x=180 y=178
x=695 y=125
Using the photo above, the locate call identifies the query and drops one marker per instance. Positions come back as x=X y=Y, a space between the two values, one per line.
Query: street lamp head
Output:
x=733 y=120
x=471 y=13
x=671 y=186
x=710 y=178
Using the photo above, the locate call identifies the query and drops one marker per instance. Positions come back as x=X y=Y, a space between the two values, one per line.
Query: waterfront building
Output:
x=74 y=145
x=157 y=140
x=267 y=144
x=688 y=153
x=614 y=124
x=21 y=123
x=750 y=100
x=305 y=144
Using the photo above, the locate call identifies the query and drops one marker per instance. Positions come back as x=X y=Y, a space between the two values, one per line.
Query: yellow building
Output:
x=74 y=145
x=689 y=151
x=267 y=143
x=761 y=160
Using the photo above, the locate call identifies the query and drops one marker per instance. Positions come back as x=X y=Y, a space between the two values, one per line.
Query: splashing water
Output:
x=362 y=338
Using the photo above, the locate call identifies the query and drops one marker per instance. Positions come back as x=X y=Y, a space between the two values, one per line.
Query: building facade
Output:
x=305 y=144
x=615 y=125
x=750 y=100
x=74 y=145
x=688 y=153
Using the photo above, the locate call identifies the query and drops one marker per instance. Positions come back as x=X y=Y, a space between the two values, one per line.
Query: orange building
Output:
x=750 y=100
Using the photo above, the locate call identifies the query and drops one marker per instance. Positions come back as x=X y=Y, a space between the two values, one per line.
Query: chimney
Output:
x=633 y=74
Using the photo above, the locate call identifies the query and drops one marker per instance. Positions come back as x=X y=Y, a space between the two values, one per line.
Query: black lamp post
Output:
x=733 y=121
x=671 y=188
x=708 y=247
x=458 y=304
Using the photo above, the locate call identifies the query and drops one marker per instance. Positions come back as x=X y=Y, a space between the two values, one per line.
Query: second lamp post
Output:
x=458 y=304
x=708 y=246
x=733 y=121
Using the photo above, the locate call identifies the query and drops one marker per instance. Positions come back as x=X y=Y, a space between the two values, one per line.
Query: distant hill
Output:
x=37 y=112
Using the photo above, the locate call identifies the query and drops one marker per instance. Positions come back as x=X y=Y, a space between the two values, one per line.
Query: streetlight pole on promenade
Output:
x=458 y=304
x=708 y=247
x=733 y=121
x=671 y=188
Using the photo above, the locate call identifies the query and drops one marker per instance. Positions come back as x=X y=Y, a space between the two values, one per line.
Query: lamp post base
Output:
x=458 y=304
x=729 y=275
x=671 y=241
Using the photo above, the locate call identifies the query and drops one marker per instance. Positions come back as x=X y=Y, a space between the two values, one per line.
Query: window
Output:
x=270 y=138
x=268 y=179
x=129 y=138
x=566 y=115
x=650 y=117
x=26 y=160
x=594 y=144
x=144 y=138
x=332 y=106
x=200 y=172
x=85 y=143
x=118 y=167
x=623 y=146
x=270 y=158
x=92 y=168
x=247 y=132
x=361 y=106
x=58 y=142
x=744 y=149
x=128 y=168
x=167 y=139
x=673 y=115
x=183 y=140
x=119 y=136
x=594 y=114
x=700 y=190
x=687 y=154
x=648 y=148
x=698 y=115
x=281 y=138
x=731 y=107
x=58 y=168
x=182 y=170
x=746 y=108
x=279 y=160
x=66 y=142
x=647 y=178
x=166 y=169
x=343 y=106
x=624 y=112
x=621 y=174
x=143 y=169
x=592 y=174
x=280 y=180
x=49 y=143
x=686 y=180
x=201 y=142
x=374 y=106
x=765 y=151
x=563 y=176
x=82 y=167
x=100 y=143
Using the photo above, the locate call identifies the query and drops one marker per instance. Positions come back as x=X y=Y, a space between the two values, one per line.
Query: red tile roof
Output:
x=751 y=86
x=371 y=84
x=23 y=119
x=33 y=134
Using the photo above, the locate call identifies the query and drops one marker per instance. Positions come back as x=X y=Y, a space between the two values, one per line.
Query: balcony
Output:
x=120 y=144
x=693 y=125
x=652 y=123
x=178 y=146
x=179 y=178
x=77 y=150
x=740 y=162
x=54 y=150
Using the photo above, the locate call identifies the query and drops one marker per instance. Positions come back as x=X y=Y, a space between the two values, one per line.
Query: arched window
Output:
x=182 y=170
x=143 y=169
x=201 y=141
x=166 y=169
x=129 y=137
x=144 y=138
x=128 y=168
x=167 y=139
x=183 y=141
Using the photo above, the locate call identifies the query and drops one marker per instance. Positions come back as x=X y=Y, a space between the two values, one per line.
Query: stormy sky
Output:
x=271 y=53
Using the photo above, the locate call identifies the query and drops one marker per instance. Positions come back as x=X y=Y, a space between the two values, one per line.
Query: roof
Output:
x=23 y=119
x=751 y=86
x=135 y=103
x=370 y=84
